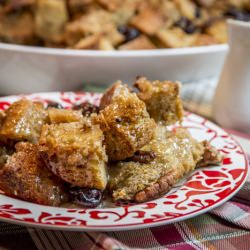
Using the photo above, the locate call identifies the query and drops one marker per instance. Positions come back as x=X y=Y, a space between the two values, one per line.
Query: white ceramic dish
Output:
x=201 y=191
x=25 y=69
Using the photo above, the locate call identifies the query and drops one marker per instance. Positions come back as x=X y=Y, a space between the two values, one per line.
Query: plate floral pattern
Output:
x=197 y=193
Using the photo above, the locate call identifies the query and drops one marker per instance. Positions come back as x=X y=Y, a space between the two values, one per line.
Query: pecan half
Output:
x=155 y=190
x=211 y=156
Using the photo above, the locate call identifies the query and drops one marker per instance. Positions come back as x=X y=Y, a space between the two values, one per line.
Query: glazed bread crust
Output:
x=162 y=100
x=23 y=121
x=26 y=177
x=74 y=152
x=125 y=122
x=177 y=154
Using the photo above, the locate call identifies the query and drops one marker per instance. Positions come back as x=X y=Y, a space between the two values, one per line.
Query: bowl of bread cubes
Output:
x=61 y=44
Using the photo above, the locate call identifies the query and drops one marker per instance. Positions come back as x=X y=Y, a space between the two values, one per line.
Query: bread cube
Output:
x=218 y=29
x=26 y=177
x=187 y=8
x=17 y=28
x=175 y=154
x=23 y=121
x=50 y=19
x=64 y=115
x=175 y=38
x=162 y=100
x=139 y=43
x=124 y=121
x=148 y=21
x=75 y=153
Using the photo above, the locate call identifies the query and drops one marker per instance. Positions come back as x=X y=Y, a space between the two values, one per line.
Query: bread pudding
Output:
x=162 y=100
x=124 y=148
x=23 y=121
x=25 y=175
x=119 y=25
x=74 y=152
x=56 y=115
x=124 y=121
x=176 y=154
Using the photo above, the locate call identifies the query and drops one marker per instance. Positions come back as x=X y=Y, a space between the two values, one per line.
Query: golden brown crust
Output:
x=91 y=42
x=218 y=30
x=109 y=94
x=64 y=115
x=26 y=176
x=139 y=43
x=47 y=26
x=148 y=21
x=176 y=154
x=175 y=38
x=125 y=122
x=23 y=121
x=162 y=100
x=17 y=28
x=74 y=152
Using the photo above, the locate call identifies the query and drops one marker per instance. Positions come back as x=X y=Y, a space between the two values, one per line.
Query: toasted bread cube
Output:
x=105 y=44
x=124 y=121
x=148 y=21
x=24 y=120
x=17 y=28
x=90 y=42
x=187 y=8
x=204 y=39
x=162 y=100
x=218 y=30
x=50 y=19
x=88 y=31
x=64 y=115
x=176 y=154
x=175 y=38
x=139 y=43
x=26 y=177
x=74 y=152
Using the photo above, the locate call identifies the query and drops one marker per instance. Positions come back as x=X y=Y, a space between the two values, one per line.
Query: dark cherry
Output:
x=238 y=14
x=87 y=108
x=130 y=33
x=86 y=197
x=186 y=25
x=56 y=105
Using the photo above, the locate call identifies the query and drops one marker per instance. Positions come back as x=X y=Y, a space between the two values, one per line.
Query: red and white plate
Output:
x=201 y=191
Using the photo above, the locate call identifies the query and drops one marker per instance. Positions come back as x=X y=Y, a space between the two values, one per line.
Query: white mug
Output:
x=231 y=105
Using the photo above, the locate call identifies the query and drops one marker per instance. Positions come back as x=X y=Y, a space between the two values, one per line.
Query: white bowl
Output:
x=25 y=69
